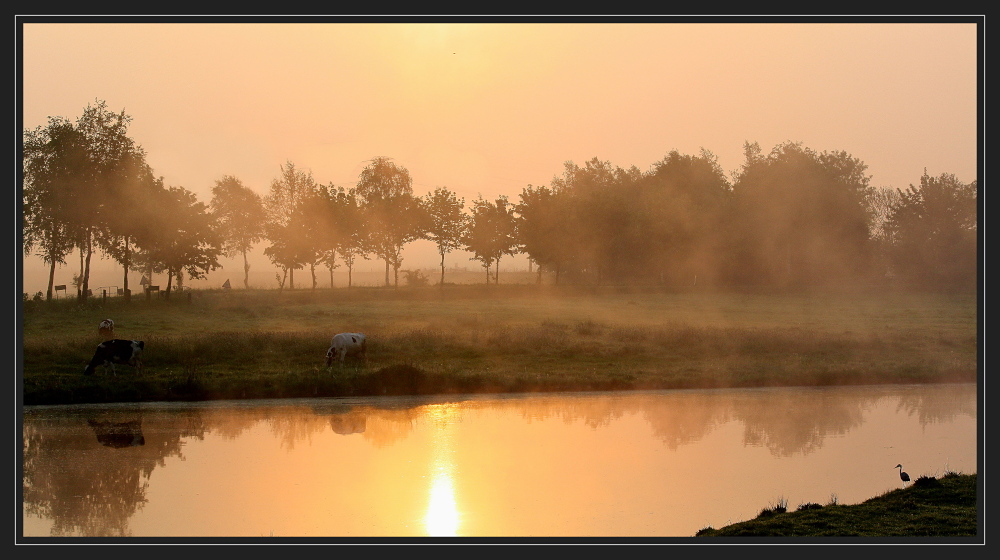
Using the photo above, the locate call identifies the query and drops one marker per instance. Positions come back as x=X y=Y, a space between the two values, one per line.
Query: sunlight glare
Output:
x=441 y=519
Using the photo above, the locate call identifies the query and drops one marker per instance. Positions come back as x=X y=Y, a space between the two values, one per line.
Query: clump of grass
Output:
x=781 y=506
x=808 y=506
x=926 y=482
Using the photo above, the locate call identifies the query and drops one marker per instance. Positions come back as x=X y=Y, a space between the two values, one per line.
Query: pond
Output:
x=602 y=464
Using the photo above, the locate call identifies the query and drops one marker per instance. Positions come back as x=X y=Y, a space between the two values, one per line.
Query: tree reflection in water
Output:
x=87 y=469
x=88 y=472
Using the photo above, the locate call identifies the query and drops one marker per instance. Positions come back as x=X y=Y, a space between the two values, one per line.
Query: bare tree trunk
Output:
x=79 y=283
x=125 y=271
x=442 y=268
x=86 y=271
x=52 y=279
x=246 y=271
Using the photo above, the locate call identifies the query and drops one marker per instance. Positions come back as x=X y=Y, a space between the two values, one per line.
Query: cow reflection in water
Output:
x=349 y=423
x=118 y=434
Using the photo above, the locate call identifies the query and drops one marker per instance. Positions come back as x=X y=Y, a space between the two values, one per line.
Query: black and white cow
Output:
x=106 y=329
x=117 y=351
x=346 y=344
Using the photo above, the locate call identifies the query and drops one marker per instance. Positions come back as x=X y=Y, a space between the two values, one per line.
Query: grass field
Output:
x=477 y=338
x=929 y=507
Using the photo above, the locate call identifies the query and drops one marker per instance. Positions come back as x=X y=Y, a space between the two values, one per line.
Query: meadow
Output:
x=214 y=344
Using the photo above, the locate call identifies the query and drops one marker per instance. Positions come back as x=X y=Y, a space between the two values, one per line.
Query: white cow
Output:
x=106 y=329
x=346 y=344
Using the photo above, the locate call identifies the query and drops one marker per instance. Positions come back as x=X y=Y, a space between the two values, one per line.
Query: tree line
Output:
x=787 y=219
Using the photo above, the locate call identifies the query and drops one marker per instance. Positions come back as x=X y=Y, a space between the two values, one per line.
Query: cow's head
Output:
x=329 y=357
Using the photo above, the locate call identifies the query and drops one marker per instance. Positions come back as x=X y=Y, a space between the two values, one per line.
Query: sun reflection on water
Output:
x=442 y=518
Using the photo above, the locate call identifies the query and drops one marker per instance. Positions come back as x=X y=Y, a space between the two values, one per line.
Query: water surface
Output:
x=658 y=463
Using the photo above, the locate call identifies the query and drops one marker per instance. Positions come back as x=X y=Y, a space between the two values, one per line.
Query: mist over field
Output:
x=589 y=164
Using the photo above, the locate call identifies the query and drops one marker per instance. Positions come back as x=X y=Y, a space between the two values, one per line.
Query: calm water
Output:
x=664 y=463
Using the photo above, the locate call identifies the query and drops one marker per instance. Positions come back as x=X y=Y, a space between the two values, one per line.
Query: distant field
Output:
x=468 y=338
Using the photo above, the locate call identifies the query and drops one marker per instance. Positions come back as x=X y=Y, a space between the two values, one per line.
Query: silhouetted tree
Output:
x=491 y=233
x=603 y=212
x=133 y=190
x=680 y=209
x=239 y=217
x=85 y=176
x=447 y=221
x=118 y=177
x=351 y=237
x=880 y=203
x=544 y=229
x=53 y=159
x=394 y=216
x=934 y=233
x=185 y=239
x=799 y=218
x=288 y=250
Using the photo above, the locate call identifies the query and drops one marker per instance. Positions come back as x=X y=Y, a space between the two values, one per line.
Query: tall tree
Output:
x=801 y=218
x=602 y=207
x=53 y=158
x=544 y=228
x=118 y=177
x=78 y=179
x=314 y=226
x=680 y=209
x=491 y=233
x=934 y=233
x=134 y=189
x=880 y=204
x=185 y=239
x=239 y=216
x=352 y=232
x=448 y=221
x=394 y=216
x=288 y=250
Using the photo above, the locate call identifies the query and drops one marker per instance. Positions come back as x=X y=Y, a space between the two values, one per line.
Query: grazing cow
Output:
x=106 y=329
x=346 y=344
x=117 y=351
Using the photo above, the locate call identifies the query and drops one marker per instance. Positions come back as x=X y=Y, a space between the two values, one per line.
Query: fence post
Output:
x=104 y=297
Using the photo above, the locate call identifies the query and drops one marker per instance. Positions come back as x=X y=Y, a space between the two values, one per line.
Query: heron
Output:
x=902 y=475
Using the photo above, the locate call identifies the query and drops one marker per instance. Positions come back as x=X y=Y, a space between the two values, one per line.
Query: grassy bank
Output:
x=930 y=507
x=265 y=344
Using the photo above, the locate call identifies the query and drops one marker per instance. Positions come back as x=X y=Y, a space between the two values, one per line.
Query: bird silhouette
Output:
x=902 y=475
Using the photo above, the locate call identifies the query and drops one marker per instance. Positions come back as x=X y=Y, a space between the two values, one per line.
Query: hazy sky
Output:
x=488 y=108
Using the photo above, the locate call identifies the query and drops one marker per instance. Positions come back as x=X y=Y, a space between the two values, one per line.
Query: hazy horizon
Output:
x=489 y=108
